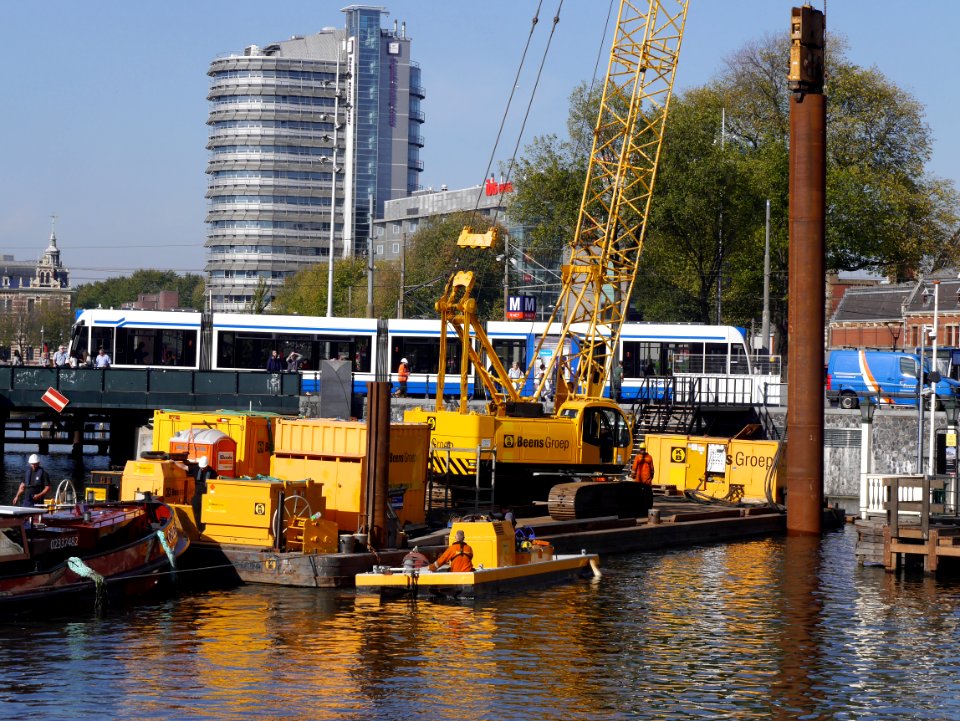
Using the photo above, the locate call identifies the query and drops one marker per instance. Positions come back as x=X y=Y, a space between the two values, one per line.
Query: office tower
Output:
x=304 y=134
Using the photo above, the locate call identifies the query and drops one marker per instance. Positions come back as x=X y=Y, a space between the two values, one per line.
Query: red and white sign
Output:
x=55 y=399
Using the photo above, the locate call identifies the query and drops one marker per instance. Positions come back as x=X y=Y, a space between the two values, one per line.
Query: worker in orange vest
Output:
x=403 y=374
x=643 y=465
x=460 y=556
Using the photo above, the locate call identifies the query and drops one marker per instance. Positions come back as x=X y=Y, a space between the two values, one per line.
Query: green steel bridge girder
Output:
x=22 y=388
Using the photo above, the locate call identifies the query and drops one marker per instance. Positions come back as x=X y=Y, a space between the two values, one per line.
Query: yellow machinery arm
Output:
x=627 y=139
x=458 y=310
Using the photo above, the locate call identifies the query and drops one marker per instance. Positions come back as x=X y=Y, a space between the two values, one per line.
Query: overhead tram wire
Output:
x=506 y=110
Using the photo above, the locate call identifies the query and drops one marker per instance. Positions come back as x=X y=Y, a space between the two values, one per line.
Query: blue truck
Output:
x=884 y=376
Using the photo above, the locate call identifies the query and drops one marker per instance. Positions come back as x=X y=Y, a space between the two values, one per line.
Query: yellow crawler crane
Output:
x=586 y=433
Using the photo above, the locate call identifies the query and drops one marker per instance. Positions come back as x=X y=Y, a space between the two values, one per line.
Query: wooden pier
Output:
x=914 y=531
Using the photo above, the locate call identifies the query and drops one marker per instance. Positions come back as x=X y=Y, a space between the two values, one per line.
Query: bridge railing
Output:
x=152 y=387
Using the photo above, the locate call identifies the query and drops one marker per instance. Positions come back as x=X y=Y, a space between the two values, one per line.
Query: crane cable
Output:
x=533 y=93
x=506 y=110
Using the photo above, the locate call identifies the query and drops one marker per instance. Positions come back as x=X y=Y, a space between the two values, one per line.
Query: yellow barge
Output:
x=499 y=566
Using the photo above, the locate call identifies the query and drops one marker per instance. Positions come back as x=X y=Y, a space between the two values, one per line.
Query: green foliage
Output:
x=885 y=213
x=114 y=292
x=306 y=292
x=260 y=298
x=432 y=258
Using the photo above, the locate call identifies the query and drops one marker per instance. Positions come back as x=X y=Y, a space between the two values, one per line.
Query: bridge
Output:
x=126 y=398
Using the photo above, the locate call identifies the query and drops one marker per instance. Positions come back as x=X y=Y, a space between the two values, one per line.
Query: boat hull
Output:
x=250 y=564
x=479 y=583
x=131 y=569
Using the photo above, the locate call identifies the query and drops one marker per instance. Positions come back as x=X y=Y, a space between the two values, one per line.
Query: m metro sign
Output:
x=55 y=399
x=521 y=307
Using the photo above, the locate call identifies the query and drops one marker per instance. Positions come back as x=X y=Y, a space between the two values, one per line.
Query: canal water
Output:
x=778 y=628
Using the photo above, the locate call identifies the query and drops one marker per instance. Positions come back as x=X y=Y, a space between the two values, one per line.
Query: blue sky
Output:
x=104 y=120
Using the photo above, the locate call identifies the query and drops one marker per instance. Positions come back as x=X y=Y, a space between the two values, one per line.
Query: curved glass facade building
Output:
x=304 y=135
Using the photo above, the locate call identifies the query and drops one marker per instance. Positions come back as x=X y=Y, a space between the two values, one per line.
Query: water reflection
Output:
x=775 y=628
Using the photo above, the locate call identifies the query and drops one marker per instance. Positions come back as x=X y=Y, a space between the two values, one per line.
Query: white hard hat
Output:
x=203 y=462
x=403 y=360
x=34 y=458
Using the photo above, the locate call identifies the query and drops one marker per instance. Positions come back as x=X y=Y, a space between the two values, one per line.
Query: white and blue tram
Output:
x=238 y=341
x=242 y=341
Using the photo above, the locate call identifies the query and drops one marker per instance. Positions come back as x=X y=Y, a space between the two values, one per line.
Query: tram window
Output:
x=641 y=359
x=177 y=348
x=510 y=351
x=423 y=354
x=136 y=346
x=245 y=351
x=79 y=343
x=739 y=361
x=102 y=338
x=684 y=358
x=715 y=359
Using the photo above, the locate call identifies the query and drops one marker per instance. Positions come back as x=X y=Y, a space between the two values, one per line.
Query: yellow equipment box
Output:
x=167 y=480
x=244 y=511
x=334 y=453
x=253 y=432
x=494 y=543
x=733 y=469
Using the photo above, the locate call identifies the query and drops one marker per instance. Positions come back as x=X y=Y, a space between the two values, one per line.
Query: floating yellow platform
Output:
x=499 y=567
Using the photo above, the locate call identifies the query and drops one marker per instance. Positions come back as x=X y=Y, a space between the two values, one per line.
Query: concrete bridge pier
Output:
x=75 y=423
x=123 y=437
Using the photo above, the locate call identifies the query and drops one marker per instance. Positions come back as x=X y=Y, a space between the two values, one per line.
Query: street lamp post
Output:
x=867 y=409
x=506 y=275
x=934 y=377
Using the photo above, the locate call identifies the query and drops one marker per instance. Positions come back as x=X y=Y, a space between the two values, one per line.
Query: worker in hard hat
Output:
x=403 y=375
x=35 y=485
x=459 y=555
x=643 y=465
x=204 y=473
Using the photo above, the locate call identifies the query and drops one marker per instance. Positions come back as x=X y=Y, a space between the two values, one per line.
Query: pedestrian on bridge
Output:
x=61 y=357
x=274 y=363
x=103 y=360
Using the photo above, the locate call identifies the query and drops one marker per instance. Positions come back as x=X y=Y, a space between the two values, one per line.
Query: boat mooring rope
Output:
x=83 y=570
x=170 y=556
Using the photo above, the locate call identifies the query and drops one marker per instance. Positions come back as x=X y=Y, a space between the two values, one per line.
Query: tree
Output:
x=549 y=179
x=260 y=298
x=305 y=293
x=114 y=292
x=884 y=214
x=434 y=246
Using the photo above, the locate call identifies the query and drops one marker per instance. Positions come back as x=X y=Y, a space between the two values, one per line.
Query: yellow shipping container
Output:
x=253 y=432
x=734 y=469
x=334 y=454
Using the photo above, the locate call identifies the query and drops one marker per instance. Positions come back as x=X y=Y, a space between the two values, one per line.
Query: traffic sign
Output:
x=55 y=399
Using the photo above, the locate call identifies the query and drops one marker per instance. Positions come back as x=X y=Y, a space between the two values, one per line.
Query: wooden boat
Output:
x=87 y=552
x=502 y=562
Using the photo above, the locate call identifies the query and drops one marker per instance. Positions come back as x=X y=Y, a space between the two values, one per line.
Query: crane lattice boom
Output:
x=605 y=251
